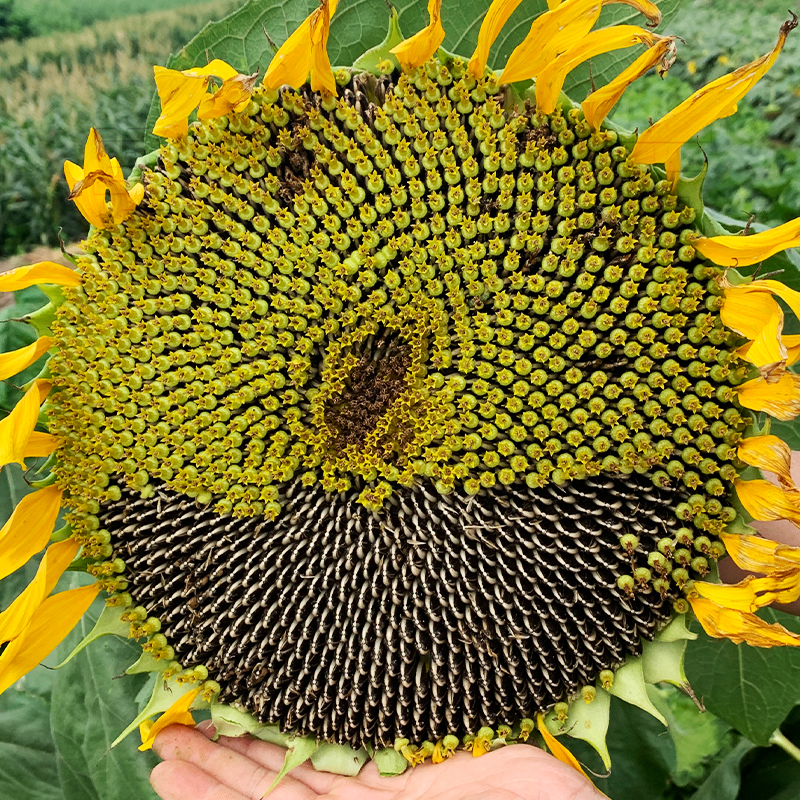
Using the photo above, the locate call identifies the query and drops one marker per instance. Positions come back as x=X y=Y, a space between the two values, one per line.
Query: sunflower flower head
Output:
x=401 y=409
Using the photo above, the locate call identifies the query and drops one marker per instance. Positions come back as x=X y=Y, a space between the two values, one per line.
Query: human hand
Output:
x=243 y=768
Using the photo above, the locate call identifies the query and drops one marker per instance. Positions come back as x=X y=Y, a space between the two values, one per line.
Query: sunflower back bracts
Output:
x=400 y=409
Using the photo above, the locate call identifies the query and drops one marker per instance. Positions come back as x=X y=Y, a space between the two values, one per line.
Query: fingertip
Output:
x=208 y=729
x=175 y=742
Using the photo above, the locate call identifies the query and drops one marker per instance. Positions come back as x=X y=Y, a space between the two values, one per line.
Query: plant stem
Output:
x=779 y=739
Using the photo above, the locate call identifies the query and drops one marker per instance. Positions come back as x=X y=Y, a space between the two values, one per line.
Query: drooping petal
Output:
x=766 y=452
x=90 y=198
x=741 y=251
x=751 y=553
x=177 y=714
x=716 y=100
x=41 y=272
x=17 y=427
x=764 y=501
x=556 y=748
x=321 y=75
x=41 y=444
x=28 y=528
x=551 y=79
x=672 y=166
x=95 y=158
x=51 y=622
x=598 y=104
x=181 y=91
x=780 y=400
x=233 y=95
x=767 y=351
x=18 y=615
x=752 y=593
x=293 y=62
x=550 y=34
x=747 y=309
x=416 y=50
x=13 y=362
x=740 y=626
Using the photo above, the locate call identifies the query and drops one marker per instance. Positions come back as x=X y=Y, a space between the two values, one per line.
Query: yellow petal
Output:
x=747 y=309
x=551 y=33
x=233 y=95
x=90 y=198
x=764 y=501
x=95 y=158
x=792 y=345
x=321 y=75
x=780 y=400
x=557 y=749
x=741 y=251
x=51 y=622
x=753 y=593
x=177 y=714
x=740 y=626
x=180 y=93
x=16 y=617
x=294 y=60
x=15 y=361
x=597 y=105
x=751 y=553
x=716 y=100
x=28 y=528
x=73 y=173
x=551 y=4
x=17 y=427
x=551 y=79
x=42 y=272
x=672 y=166
x=766 y=452
x=415 y=51
x=767 y=351
x=41 y=444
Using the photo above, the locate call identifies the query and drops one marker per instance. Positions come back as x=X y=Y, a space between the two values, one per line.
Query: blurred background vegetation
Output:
x=69 y=64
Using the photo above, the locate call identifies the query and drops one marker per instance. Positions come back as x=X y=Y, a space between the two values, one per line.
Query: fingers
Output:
x=225 y=771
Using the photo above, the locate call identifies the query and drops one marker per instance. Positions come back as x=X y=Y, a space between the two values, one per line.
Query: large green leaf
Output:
x=89 y=709
x=752 y=688
x=725 y=780
x=242 y=40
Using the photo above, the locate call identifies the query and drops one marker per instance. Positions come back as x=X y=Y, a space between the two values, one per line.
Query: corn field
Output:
x=55 y=88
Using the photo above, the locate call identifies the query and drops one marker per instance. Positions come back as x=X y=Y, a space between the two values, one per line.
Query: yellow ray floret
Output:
x=41 y=444
x=660 y=143
x=182 y=91
x=597 y=105
x=416 y=50
x=556 y=748
x=18 y=615
x=551 y=78
x=752 y=553
x=752 y=593
x=50 y=624
x=740 y=626
x=17 y=427
x=100 y=174
x=780 y=399
x=764 y=501
x=741 y=251
x=551 y=34
x=769 y=453
x=177 y=714
x=28 y=528
x=15 y=361
x=305 y=52
x=42 y=272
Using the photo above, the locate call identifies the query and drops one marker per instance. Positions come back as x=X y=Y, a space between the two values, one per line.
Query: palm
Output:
x=244 y=769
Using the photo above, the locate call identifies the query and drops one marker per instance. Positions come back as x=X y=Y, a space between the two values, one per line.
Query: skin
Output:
x=195 y=768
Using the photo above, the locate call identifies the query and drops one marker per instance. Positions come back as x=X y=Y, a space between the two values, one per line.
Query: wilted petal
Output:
x=42 y=272
x=294 y=60
x=780 y=400
x=751 y=553
x=740 y=626
x=233 y=95
x=764 y=501
x=51 y=622
x=17 y=427
x=766 y=452
x=15 y=361
x=419 y=48
x=18 y=615
x=177 y=714
x=753 y=593
x=556 y=748
x=321 y=75
x=551 y=79
x=718 y=99
x=28 y=528
x=597 y=105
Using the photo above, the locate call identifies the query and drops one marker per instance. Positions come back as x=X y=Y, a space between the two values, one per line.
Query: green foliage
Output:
x=13 y=25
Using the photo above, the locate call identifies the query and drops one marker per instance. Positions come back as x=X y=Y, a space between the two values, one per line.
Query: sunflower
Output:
x=407 y=407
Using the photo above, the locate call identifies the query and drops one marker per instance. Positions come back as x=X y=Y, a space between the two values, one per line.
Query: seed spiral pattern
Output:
x=418 y=301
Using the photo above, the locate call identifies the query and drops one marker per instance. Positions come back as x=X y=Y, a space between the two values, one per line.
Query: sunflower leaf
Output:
x=752 y=689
